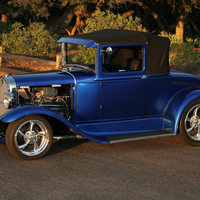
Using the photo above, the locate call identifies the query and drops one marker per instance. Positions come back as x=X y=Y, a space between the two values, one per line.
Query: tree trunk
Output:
x=56 y=25
x=79 y=26
x=195 y=27
x=80 y=12
x=180 y=27
x=128 y=13
x=5 y=17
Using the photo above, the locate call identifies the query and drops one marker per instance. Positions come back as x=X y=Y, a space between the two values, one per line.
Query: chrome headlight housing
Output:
x=8 y=100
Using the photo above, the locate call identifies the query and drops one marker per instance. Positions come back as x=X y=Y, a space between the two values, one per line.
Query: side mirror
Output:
x=109 y=50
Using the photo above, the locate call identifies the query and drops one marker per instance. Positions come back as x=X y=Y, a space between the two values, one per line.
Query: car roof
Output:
x=157 y=60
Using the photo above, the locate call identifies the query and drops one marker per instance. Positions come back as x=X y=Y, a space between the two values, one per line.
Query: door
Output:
x=122 y=88
x=122 y=98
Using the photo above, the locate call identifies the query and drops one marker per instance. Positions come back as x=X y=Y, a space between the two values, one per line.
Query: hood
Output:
x=55 y=77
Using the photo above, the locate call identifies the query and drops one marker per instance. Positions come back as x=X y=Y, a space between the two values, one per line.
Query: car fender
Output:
x=177 y=106
x=19 y=112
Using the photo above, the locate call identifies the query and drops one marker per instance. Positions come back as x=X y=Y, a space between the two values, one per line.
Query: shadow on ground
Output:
x=63 y=145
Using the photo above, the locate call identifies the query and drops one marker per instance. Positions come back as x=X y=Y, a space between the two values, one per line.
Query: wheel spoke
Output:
x=195 y=111
x=189 y=119
x=20 y=133
x=24 y=145
x=41 y=133
x=190 y=129
x=191 y=124
x=35 y=146
x=31 y=126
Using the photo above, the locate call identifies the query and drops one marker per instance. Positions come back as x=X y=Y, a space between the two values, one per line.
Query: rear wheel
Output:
x=29 y=137
x=189 y=131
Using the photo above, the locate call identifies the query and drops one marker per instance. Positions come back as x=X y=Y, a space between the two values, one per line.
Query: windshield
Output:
x=78 y=54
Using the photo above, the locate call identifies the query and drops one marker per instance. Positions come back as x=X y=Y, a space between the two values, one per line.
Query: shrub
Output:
x=34 y=41
x=106 y=20
x=183 y=55
x=4 y=28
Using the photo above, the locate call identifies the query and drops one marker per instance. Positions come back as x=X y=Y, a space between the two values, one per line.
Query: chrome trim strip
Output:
x=141 y=138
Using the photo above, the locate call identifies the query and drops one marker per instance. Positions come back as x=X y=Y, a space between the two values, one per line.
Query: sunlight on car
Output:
x=114 y=86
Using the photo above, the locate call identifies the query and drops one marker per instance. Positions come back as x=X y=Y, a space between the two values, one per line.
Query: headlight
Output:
x=8 y=100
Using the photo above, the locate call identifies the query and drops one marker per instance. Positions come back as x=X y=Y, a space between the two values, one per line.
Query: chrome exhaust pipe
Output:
x=65 y=137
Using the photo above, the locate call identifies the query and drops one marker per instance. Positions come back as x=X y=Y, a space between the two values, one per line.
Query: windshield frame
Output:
x=84 y=66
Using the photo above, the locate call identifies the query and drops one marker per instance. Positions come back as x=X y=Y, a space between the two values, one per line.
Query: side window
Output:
x=124 y=59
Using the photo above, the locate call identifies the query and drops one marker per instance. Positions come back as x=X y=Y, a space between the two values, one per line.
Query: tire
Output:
x=189 y=129
x=30 y=137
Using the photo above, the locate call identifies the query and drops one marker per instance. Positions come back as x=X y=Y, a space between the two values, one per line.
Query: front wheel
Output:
x=29 y=137
x=189 y=130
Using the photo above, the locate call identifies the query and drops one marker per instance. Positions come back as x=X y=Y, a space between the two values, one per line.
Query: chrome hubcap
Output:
x=30 y=137
x=192 y=123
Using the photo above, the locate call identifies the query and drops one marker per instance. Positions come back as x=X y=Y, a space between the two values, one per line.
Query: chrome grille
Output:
x=3 y=88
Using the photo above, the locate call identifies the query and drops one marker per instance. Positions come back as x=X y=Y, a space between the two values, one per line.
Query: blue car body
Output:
x=119 y=105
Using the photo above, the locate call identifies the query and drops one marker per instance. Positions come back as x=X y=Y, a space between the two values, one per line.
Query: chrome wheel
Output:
x=29 y=137
x=32 y=137
x=192 y=123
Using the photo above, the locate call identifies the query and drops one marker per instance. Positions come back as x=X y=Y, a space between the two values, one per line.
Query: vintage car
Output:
x=124 y=92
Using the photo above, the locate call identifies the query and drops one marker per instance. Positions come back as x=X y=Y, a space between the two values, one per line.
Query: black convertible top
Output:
x=157 y=47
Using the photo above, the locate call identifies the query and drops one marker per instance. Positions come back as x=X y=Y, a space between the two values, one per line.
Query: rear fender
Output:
x=175 y=109
x=19 y=112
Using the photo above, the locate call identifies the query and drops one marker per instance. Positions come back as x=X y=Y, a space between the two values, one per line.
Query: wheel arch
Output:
x=176 y=108
x=19 y=112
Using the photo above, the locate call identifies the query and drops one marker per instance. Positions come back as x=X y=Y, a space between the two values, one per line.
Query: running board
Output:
x=137 y=136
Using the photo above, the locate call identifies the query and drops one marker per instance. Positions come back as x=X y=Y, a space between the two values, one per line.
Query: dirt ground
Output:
x=16 y=68
x=4 y=70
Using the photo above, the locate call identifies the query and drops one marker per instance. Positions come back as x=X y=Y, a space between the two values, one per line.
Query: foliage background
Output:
x=33 y=40
x=30 y=26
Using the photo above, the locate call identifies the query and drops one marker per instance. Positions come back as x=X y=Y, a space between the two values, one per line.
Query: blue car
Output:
x=114 y=86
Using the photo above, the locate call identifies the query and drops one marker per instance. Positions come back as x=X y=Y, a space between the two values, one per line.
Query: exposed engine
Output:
x=53 y=98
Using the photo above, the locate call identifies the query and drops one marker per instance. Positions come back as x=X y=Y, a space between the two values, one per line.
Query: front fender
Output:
x=175 y=109
x=19 y=112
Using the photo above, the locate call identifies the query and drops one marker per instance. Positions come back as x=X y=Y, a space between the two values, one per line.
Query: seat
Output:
x=131 y=64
